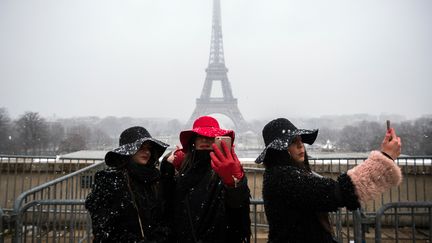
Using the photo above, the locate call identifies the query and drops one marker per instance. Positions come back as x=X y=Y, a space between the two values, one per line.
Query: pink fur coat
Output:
x=374 y=176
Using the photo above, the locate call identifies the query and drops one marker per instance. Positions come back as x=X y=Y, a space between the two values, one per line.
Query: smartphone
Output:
x=388 y=127
x=227 y=140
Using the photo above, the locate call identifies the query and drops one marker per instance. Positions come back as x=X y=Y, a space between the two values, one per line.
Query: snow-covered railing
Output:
x=21 y=173
x=74 y=186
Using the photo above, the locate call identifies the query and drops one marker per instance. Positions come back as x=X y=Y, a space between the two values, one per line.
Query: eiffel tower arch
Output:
x=217 y=72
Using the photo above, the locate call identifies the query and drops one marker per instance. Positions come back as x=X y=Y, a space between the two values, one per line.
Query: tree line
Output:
x=364 y=136
x=32 y=134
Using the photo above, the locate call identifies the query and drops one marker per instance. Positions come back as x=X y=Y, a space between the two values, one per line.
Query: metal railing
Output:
x=21 y=173
x=53 y=221
x=1 y=226
x=68 y=221
x=405 y=218
x=75 y=185
x=416 y=184
x=346 y=227
x=62 y=197
x=55 y=210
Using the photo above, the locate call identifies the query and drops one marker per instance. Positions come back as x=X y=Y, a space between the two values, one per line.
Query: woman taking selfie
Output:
x=297 y=201
x=211 y=196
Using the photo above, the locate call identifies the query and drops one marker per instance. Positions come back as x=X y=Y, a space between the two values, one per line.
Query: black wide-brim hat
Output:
x=279 y=133
x=130 y=142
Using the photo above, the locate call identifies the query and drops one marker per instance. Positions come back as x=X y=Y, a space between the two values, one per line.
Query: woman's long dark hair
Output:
x=188 y=161
x=189 y=156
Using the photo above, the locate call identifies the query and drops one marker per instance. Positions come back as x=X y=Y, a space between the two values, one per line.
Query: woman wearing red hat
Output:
x=297 y=200
x=211 y=197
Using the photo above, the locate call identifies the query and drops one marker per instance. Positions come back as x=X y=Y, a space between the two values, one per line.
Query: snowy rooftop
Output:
x=85 y=154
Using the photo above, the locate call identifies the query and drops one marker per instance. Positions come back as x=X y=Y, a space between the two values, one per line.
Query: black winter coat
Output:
x=205 y=210
x=114 y=216
x=294 y=197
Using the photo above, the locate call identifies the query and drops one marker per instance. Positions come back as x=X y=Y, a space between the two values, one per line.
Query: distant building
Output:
x=328 y=147
x=84 y=154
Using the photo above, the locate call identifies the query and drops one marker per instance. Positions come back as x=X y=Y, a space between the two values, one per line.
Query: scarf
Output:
x=142 y=180
x=143 y=174
x=197 y=167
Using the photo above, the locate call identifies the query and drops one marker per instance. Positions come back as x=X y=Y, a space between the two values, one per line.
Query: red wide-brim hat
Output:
x=205 y=126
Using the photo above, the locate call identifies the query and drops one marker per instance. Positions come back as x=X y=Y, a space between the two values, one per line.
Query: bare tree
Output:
x=416 y=136
x=73 y=142
x=56 y=135
x=425 y=135
x=77 y=138
x=5 y=131
x=362 y=137
x=82 y=130
x=111 y=125
x=32 y=133
x=101 y=140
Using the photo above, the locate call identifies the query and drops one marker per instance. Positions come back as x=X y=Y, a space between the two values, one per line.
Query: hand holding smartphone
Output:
x=227 y=140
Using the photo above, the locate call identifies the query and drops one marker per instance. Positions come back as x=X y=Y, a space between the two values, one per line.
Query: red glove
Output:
x=179 y=156
x=227 y=167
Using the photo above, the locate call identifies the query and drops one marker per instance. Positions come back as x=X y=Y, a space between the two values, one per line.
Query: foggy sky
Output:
x=146 y=58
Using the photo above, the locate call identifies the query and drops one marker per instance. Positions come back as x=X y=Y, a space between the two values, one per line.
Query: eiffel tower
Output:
x=217 y=72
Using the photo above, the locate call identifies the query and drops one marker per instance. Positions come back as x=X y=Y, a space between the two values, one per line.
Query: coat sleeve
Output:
x=301 y=190
x=237 y=197
x=102 y=204
x=99 y=204
x=374 y=176
x=237 y=201
x=167 y=188
x=167 y=181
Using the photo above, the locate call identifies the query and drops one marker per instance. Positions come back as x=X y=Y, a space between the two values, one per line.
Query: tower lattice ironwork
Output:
x=217 y=72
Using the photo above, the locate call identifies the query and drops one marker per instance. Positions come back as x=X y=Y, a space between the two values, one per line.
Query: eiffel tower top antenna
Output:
x=217 y=73
x=216 y=44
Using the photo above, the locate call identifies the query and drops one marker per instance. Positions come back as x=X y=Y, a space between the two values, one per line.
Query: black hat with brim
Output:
x=280 y=133
x=131 y=141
